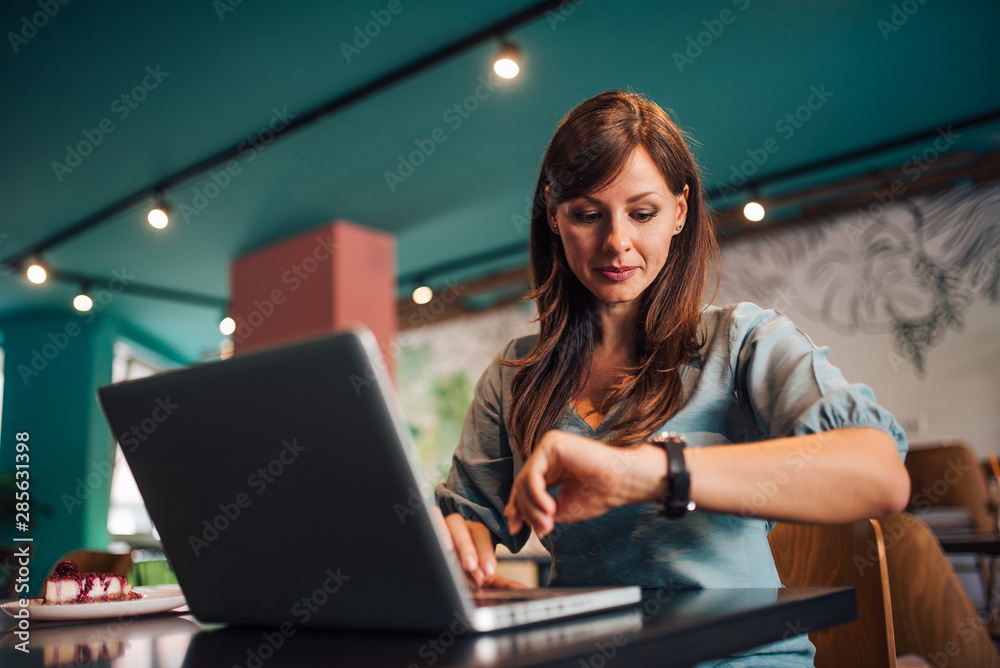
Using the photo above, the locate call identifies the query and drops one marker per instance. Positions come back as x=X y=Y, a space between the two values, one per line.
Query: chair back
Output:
x=849 y=555
x=931 y=613
x=949 y=475
x=95 y=561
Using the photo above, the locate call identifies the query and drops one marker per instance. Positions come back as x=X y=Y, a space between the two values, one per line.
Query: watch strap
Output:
x=678 y=497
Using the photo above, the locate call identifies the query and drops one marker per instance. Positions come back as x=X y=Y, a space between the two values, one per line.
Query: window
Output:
x=128 y=520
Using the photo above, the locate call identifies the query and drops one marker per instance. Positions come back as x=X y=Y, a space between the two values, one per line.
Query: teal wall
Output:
x=53 y=364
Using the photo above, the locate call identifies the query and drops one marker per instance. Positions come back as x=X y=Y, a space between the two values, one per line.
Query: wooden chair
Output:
x=991 y=472
x=949 y=475
x=931 y=613
x=850 y=555
x=94 y=561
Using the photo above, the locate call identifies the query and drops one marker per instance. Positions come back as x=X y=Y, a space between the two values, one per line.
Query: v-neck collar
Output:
x=606 y=421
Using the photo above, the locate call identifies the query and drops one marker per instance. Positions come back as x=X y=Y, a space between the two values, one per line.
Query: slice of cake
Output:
x=68 y=585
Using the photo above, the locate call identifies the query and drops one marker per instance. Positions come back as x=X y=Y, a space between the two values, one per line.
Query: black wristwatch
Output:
x=678 y=499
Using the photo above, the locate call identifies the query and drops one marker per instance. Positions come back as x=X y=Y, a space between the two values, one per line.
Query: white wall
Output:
x=906 y=299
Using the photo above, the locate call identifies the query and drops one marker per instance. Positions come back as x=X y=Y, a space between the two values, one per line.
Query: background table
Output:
x=979 y=542
x=987 y=545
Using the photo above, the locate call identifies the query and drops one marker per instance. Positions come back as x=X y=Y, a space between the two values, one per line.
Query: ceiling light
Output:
x=423 y=294
x=159 y=215
x=506 y=65
x=82 y=302
x=227 y=326
x=36 y=272
x=753 y=211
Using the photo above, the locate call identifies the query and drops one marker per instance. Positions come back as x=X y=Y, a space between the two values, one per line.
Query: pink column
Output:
x=328 y=278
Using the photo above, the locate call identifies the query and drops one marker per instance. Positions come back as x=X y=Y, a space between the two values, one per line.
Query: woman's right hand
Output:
x=474 y=548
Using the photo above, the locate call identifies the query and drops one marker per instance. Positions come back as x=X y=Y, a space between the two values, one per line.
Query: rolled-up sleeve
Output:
x=789 y=386
x=483 y=466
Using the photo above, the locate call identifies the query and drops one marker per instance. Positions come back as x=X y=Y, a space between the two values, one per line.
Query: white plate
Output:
x=154 y=600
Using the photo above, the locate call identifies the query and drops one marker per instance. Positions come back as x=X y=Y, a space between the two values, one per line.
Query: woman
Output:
x=556 y=438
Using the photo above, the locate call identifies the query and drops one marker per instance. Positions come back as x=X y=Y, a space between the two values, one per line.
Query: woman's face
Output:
x=617 y=239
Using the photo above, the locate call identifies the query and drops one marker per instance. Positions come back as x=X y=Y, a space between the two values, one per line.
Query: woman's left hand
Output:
x=595 y=478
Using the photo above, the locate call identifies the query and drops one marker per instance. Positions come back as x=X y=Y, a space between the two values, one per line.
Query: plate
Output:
x=154 y=600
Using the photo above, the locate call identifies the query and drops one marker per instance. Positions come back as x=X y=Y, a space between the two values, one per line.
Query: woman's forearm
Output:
x=836 y=476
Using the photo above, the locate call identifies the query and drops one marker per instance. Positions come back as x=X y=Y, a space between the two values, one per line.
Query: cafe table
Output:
x=669 y=628
x=986 y=544
x=978 y=542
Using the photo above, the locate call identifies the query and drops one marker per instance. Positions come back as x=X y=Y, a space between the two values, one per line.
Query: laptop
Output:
x=285 y=488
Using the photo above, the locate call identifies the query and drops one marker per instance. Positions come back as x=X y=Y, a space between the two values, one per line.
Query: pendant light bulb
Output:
x=83 y=303
x=754 y=211
x=159 y=216
x=422 y=295
x=507 y=63
x=36 y=273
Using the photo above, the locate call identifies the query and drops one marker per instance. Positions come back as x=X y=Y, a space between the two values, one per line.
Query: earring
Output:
x=679 y=228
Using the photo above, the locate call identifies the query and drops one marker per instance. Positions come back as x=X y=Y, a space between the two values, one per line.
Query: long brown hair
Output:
x=588 y=151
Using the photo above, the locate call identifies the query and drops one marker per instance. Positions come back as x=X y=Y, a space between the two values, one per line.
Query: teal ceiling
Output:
x=222 y=78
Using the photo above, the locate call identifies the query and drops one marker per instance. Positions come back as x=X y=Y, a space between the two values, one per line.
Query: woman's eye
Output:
x=587 y=216
x=644 y=216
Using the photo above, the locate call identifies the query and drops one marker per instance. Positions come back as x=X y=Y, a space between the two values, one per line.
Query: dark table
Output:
x=985 y=544
x=669 y=628
x=979 y=542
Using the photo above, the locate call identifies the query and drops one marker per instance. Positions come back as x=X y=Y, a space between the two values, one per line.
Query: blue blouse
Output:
x=758 y=377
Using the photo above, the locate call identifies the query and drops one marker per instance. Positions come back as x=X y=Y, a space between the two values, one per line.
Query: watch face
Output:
x=667 y=437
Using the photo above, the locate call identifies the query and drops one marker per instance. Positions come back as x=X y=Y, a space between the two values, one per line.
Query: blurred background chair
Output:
x=991 y=470
x=947 y=477
x=951 y=492
x=95 y=561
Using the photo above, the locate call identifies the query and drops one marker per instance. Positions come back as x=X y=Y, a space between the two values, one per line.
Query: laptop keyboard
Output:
x=490 y=597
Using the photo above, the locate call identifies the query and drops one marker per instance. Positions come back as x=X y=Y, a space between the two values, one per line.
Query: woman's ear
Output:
x=682 y=210
x=550 y=214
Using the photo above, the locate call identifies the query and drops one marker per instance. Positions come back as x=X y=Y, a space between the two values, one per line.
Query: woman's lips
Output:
x=617 y=273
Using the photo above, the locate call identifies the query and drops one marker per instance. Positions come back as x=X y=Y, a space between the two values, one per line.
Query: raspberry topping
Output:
x=66 y=569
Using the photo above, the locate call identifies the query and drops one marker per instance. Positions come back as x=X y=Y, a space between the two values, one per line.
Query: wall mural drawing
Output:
x=910 y=272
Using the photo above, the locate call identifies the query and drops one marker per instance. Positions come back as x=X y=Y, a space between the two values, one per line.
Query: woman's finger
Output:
x=484 y=548
x=540 y=497
x=514 y=523
x=528 y=512
x=468 y=556
x=500 y=582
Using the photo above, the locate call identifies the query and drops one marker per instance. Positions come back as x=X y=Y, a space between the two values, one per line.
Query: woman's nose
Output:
x=617 y=239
